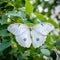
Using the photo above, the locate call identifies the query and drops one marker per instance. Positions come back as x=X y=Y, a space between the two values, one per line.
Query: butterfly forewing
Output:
x=43 y=28
x=17 y=28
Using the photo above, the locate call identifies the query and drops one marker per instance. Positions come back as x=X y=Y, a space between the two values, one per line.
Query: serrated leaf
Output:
x=29 y=7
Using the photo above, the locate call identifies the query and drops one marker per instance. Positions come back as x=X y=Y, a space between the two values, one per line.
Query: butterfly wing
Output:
x=39 y=33
x=37 y=39
x=17 y=28
x=24 y=39
x=22 y=34
x=43 y=28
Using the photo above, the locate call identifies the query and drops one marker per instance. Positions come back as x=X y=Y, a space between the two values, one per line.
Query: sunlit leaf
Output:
x=29 y=7
x=49 y=42
x=42 y=18
x=38 y=57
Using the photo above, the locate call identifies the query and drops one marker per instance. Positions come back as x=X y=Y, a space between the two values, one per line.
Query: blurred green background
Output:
x=29 y=12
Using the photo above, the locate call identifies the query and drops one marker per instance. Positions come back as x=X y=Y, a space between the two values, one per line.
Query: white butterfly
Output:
x=26 y=35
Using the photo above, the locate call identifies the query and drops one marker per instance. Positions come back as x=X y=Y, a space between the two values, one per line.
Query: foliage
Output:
x=20 y=11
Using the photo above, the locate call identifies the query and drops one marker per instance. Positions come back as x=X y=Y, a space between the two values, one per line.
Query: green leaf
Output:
x=53 y=22
x=26 y=53
x=13 y=50
x=4 y=45
x=38 y=57
x=18 y=3
x=3 y=32
x=29 y=7
x=53 y=55
x=15 y=19
x=45 y=52
x=1 y=53
x=3 y=26
x=16 y=13
x=19 y=57
x=49 y=41
x=42 y=18
x=57 y=42
x=10 y=8
x=3 y=20
x=3 y=4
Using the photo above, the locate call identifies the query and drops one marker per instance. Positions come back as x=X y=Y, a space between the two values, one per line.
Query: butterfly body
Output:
x=35 y=35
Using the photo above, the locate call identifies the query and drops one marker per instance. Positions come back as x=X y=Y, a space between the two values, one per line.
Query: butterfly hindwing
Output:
x=37 y=39
x=24 y=39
